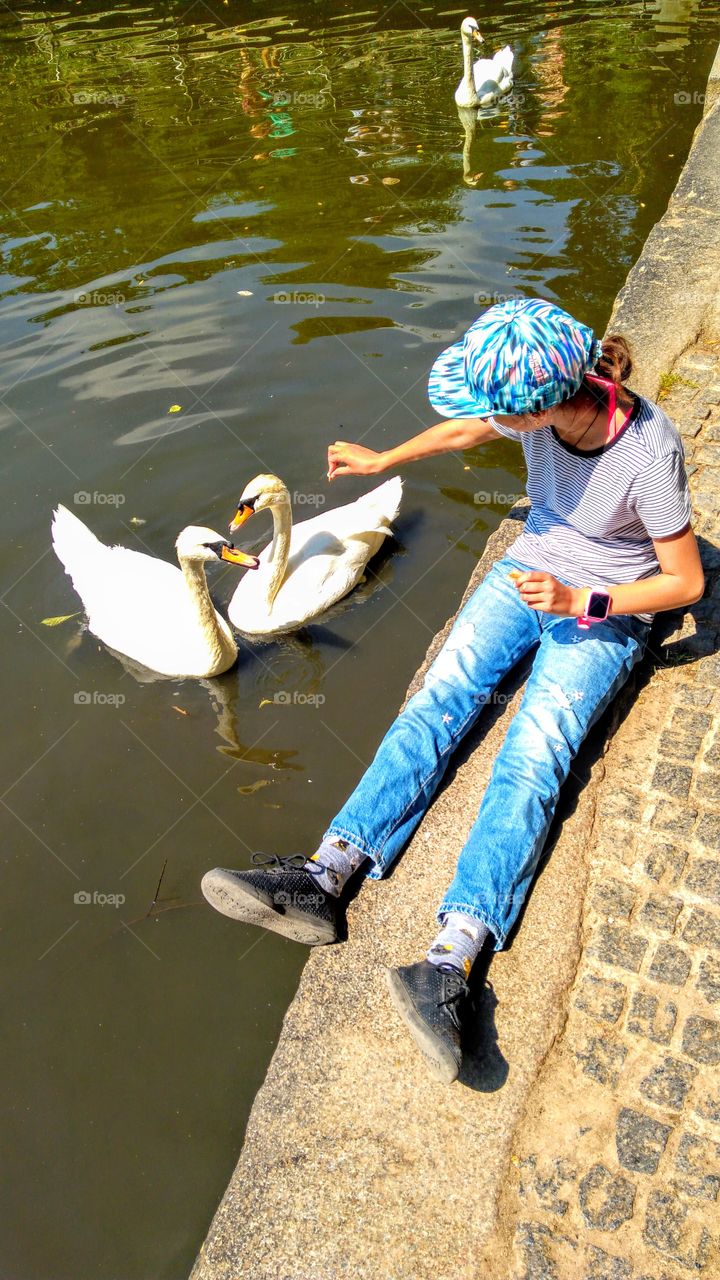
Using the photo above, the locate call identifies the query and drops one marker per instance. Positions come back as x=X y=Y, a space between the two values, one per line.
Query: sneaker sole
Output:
x=439 y=1060
x=243 y=902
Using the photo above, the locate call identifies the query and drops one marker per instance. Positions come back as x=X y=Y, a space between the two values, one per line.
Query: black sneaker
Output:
x=427 y=997
x=288 y=901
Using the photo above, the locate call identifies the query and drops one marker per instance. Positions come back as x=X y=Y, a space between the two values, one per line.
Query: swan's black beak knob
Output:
x=244 y=512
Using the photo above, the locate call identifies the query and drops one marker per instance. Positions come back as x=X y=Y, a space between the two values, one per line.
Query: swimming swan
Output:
x=146 y=609
x=307 y=566
x=490 y=78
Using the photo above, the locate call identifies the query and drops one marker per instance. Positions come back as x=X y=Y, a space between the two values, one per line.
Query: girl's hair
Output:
x=615 y=363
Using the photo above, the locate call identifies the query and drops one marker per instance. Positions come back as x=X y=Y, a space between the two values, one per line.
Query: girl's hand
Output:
x=542 y=591
x=352 y=460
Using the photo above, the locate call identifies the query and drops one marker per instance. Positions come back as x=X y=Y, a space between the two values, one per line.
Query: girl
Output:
x=606 y=545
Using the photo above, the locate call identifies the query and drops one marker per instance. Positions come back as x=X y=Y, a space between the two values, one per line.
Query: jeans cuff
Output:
x=475 y=914
x=341 y=833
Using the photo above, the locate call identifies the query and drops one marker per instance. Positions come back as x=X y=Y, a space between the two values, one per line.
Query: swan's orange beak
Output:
x=242 y=514
x=478 y=38
x=233 y=556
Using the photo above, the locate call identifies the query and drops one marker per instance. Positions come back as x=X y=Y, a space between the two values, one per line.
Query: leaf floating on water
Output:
x=389 y=182
x=244 y=293
x=180 y=710
x=62 y=617
x=175 y=408
x=137 y=520
x=254 y=786
x=360 y=177
x=266 y=702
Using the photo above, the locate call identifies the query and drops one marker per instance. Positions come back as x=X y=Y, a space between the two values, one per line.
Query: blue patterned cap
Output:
x=519 y=357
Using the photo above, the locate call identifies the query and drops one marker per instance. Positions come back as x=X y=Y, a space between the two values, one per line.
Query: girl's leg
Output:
x=574 y=677
x=491 y=634
x=493 y=631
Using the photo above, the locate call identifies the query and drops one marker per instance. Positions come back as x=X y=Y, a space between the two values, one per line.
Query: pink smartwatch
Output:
x=597 y=608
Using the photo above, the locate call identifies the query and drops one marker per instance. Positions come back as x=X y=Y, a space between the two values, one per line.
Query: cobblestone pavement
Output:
x=616 y=1170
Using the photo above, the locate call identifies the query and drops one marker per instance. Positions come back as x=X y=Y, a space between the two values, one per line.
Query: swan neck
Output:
x=280 y=549
x=193 y=571
x=468 y=62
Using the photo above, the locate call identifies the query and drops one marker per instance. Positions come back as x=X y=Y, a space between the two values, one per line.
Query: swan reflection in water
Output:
x=470 y=118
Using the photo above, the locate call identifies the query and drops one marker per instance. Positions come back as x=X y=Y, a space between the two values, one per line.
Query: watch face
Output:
x=598 y=605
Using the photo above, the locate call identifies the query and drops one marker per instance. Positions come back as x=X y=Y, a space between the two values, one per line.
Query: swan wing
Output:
x=328 y=554
x=321 y=570
x=374 y=512
x=135 y=603
x=503 y=61
x=483 y=70
x=494 y=73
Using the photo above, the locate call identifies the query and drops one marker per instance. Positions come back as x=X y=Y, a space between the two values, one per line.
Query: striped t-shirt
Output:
x=594 y=513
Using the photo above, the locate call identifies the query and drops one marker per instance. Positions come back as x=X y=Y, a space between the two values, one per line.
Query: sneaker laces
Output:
x=287 y=862
x=461 y=990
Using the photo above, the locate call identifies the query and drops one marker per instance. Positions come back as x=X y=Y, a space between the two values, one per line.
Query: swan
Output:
x=146 y=609
x=307 y=566
x=490 y=78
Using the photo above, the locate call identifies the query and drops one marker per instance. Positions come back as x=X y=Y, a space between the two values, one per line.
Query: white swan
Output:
x=307 y=566
x=490 y=78
x=146 y=609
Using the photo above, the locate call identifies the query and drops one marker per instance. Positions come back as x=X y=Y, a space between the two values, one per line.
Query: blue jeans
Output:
x=575 y=674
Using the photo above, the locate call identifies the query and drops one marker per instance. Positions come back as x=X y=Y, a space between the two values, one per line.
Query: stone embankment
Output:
x=583 y=1140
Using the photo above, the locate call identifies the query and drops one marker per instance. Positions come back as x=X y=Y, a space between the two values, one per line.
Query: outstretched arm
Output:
x=453 y=435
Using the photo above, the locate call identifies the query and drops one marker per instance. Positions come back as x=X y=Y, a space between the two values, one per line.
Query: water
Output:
x=271 y=217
